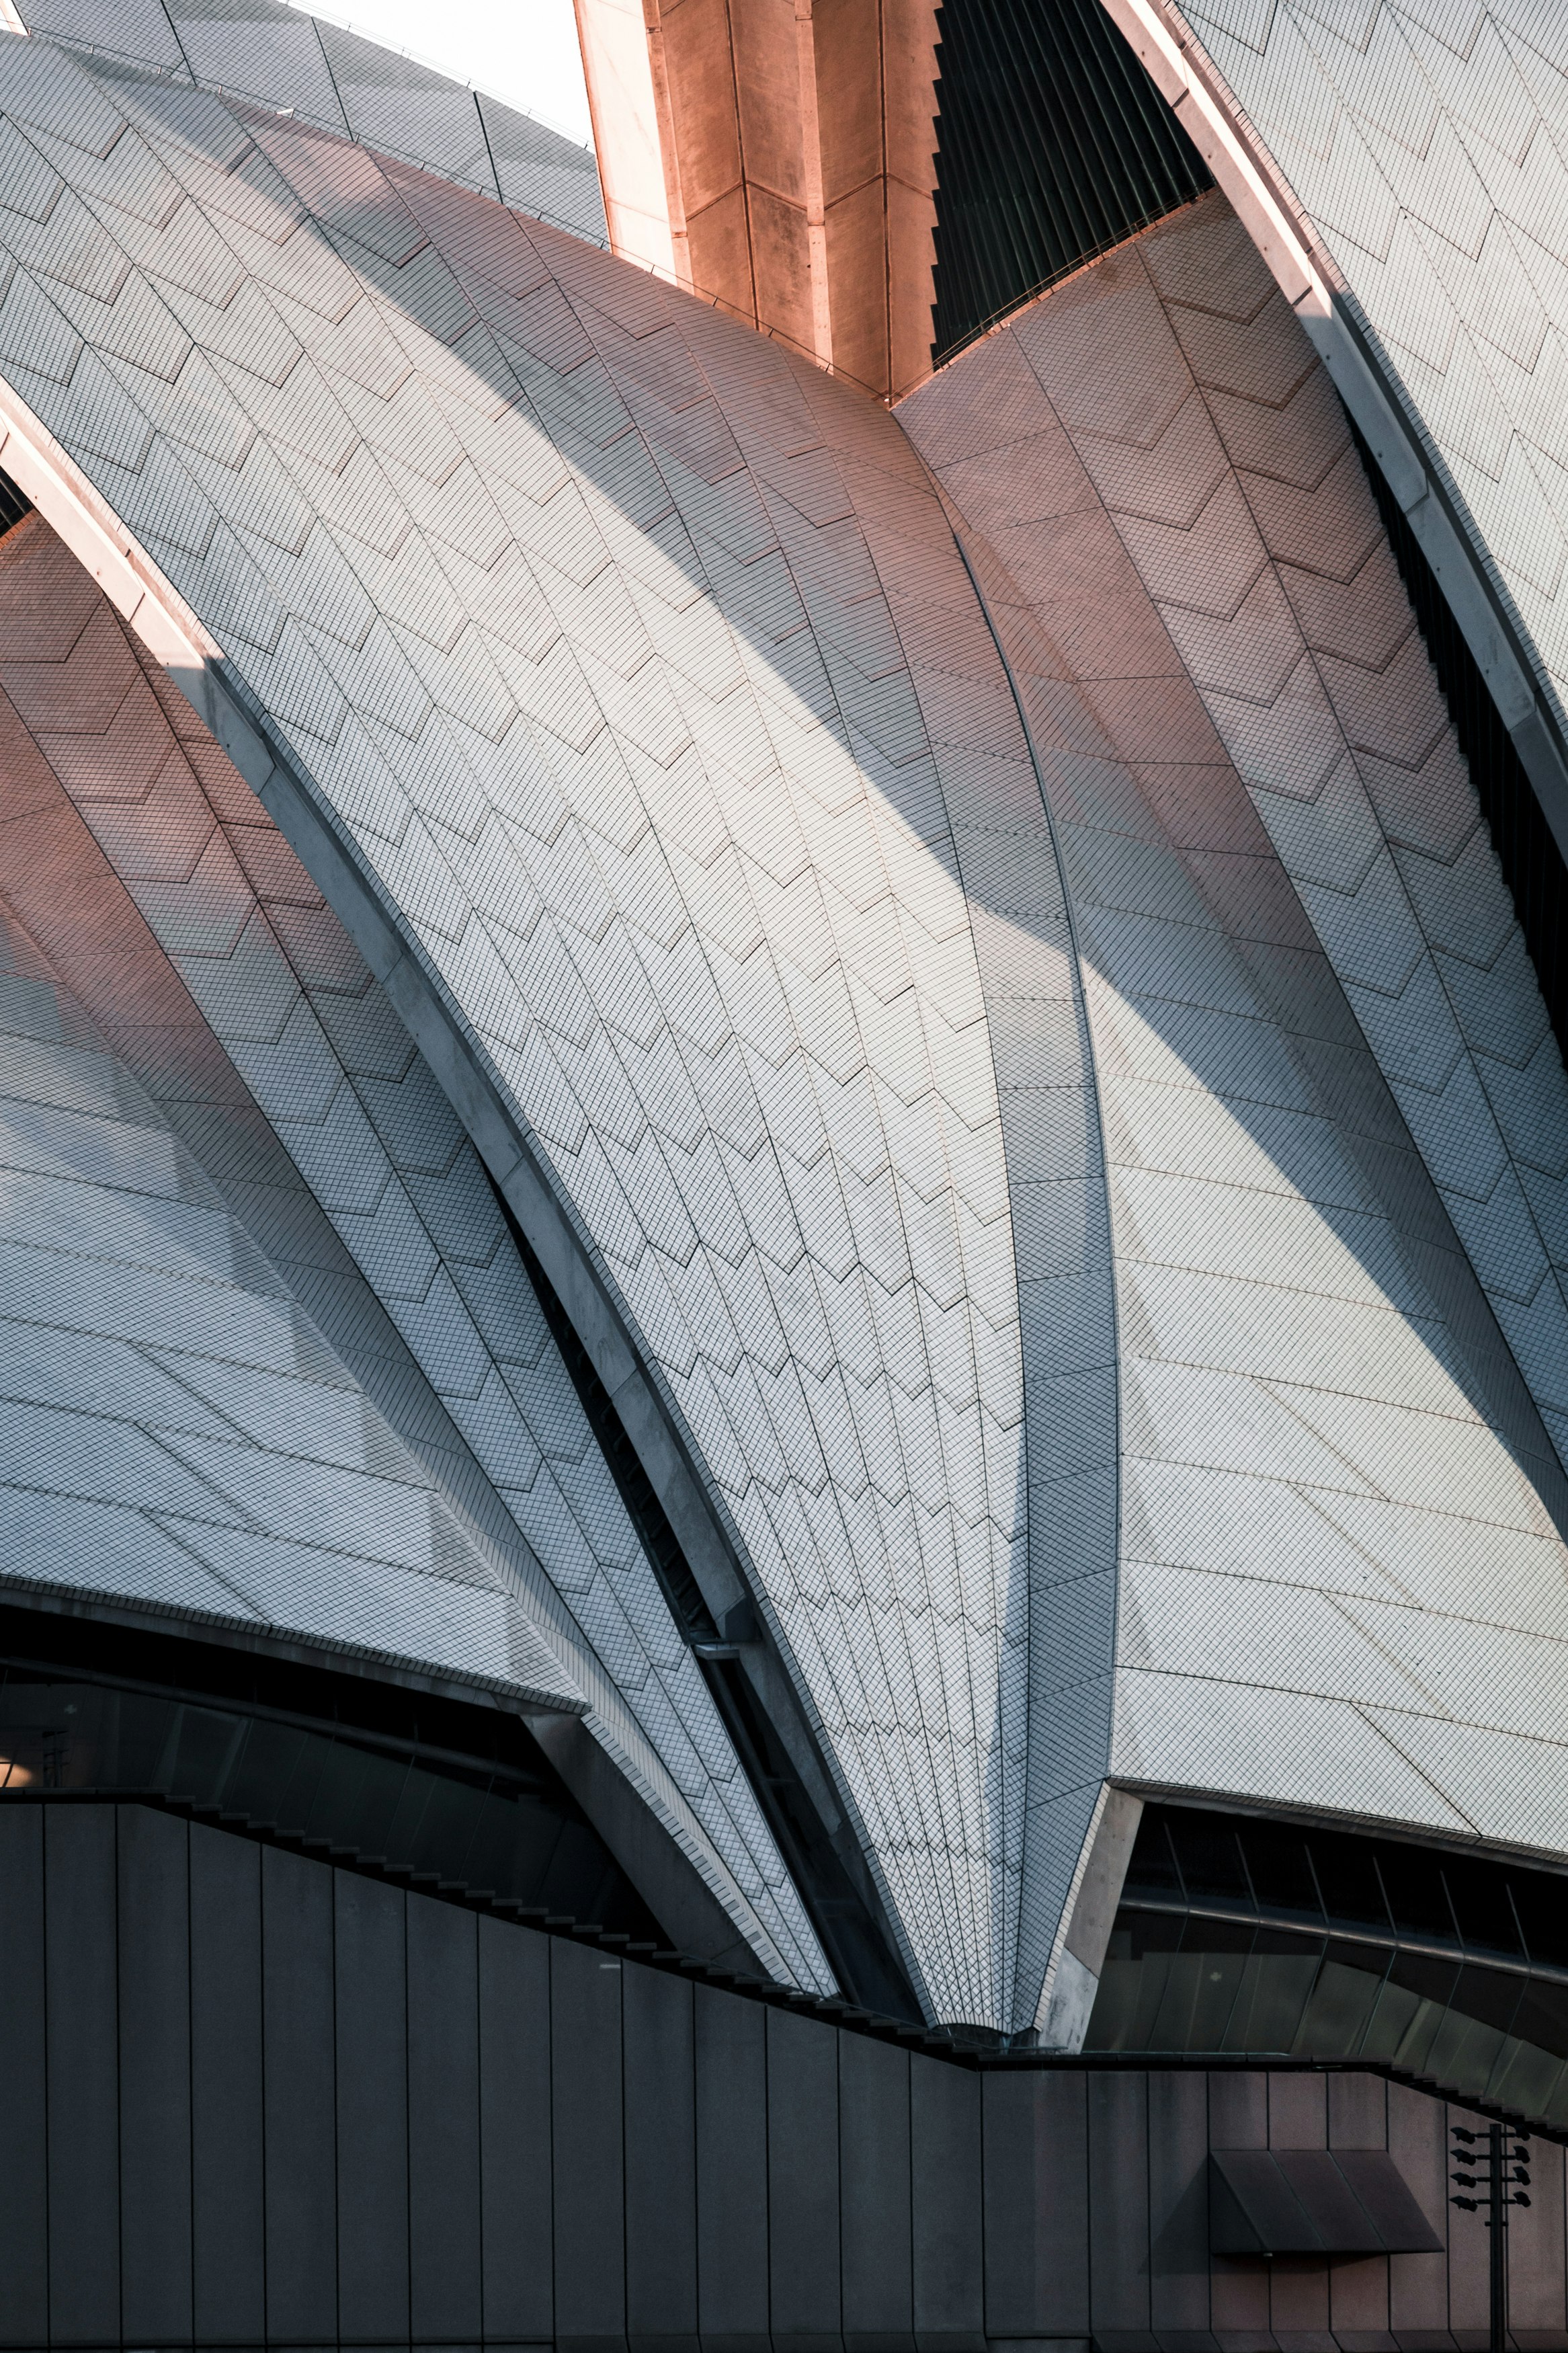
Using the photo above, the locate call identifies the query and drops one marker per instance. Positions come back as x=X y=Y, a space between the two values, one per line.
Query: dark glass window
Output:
x=1479 y=1896
x=1150 y=1932
x=1209 y=1854
x=1281 y=1972
x=1541 y=1906
x=1489 y=1996
x=1152 y=1870
x=1543 y=2017
x=1344 y=1999
x=1416 y=1895
x=1347 y=1876
x=14 y=504
x=1280 y=1872
x=1202 y=1960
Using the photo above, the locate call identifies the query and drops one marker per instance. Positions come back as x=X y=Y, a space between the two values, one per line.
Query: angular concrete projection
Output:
x=777 y=159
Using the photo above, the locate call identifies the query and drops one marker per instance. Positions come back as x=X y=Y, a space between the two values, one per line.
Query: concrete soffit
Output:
x=1215 y=122
x=139 y=591
x=1072 y=1981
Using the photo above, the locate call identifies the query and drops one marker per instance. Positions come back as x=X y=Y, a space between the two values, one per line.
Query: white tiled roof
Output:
x=1332 y=1103
x=175 y=1435
x=1075 y=1154
x=1428 y=148
x=273 y=56
x=411 y=1273
x=553 y=585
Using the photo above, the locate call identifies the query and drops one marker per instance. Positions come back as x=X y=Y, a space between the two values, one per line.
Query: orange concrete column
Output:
x=795 y=187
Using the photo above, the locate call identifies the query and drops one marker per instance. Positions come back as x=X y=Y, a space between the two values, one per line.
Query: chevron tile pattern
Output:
x=1245 y=510
x=176 y=1433
x=1428 y=146
x=271 y=55
x=282 y=1020
x=1340 y=1583
x=561 y=592
x=1074 y=1137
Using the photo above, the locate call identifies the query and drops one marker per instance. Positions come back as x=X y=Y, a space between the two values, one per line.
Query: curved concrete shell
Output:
x=962 y=939
x=1400 y=172
x=1333 y=1106
x=177 y=1434
x=270 y=55
x=593 y=672
x=192 y=935
x=1425 y=150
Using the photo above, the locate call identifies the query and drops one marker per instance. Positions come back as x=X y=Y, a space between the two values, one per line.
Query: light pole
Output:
x=1497 y=2159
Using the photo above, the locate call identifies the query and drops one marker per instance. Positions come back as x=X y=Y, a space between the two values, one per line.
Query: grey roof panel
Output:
x=642 y=678
x=123 y=1279
x=410 y=1269
x=1315 y=1233
x=273 y=56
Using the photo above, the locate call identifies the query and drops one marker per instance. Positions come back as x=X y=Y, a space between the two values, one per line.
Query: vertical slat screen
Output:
x=1053 y=145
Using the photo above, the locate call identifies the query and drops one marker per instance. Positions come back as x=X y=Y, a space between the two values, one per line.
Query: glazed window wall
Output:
x=14 y=504
x=1238 y=1937
x=455 y=1799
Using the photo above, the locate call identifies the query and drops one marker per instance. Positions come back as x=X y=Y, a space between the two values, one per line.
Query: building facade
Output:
x=786 y=1177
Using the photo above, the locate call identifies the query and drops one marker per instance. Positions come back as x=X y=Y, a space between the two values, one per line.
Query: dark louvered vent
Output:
x=1526 y=852
x=13 y=504
x=1053 y=145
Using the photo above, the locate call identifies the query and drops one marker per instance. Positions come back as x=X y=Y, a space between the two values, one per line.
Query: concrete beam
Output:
x=796 y=143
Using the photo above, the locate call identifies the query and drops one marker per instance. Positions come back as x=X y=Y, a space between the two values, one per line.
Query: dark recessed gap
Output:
x=856 y=1948
x=1053 y=146
x=1526 y=852
x=14 y=504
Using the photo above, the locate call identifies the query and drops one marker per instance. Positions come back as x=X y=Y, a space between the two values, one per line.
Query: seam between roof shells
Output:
x=1091 y=1068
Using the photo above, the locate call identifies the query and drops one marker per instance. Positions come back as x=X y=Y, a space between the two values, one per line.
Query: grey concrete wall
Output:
x=250 y=2099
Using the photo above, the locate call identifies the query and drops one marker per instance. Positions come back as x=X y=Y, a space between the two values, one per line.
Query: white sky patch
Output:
x=524 y=51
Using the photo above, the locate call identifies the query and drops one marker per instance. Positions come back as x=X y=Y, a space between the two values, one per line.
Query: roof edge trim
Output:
x=78 y=514
x=1219 y=126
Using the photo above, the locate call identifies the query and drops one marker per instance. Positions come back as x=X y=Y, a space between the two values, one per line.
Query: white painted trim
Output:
x=1243 y=168
x=89 y=528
